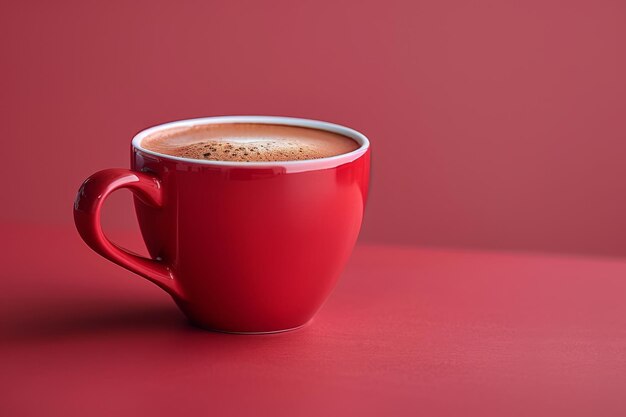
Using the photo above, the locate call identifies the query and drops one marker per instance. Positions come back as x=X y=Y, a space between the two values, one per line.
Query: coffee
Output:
x=248 y=142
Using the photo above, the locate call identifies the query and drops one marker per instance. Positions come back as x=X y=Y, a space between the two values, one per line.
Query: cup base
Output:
x=211 y=329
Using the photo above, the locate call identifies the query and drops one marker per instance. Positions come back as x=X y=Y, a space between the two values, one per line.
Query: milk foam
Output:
x=248 y=142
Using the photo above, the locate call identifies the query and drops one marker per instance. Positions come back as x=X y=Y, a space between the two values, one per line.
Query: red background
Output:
x=494 y=124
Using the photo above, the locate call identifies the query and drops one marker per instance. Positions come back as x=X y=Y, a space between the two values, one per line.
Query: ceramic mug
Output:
x=243 y=247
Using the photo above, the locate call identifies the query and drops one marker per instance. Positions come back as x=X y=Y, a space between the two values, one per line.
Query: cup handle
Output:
x=87 y=208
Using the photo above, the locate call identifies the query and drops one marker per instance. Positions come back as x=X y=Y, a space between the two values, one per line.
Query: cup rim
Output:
x=290 y=166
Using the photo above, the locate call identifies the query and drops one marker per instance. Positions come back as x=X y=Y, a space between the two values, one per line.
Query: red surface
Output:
x=241 y=247
x=406 y=332
x=495 y=123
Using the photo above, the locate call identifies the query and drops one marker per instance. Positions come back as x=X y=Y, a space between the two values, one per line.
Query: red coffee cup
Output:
x=242 y=247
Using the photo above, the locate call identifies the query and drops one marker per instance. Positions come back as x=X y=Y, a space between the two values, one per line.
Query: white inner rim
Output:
x=298 y=165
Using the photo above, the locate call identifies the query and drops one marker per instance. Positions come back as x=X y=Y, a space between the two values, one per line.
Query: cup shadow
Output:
x=60 y=322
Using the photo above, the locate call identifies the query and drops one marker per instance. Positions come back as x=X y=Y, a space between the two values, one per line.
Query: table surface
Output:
x=406 y=331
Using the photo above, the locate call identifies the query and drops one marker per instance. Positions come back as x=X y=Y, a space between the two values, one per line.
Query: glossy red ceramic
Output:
x=241 y=247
